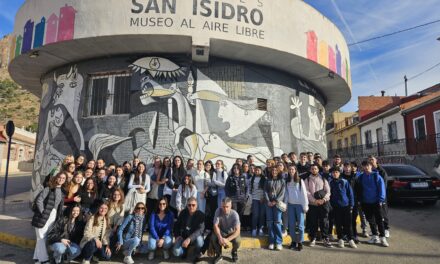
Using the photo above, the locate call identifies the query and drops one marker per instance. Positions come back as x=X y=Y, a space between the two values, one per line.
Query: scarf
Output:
x=138 y=220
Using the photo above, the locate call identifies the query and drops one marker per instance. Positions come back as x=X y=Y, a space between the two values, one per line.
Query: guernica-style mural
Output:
x=224 y=110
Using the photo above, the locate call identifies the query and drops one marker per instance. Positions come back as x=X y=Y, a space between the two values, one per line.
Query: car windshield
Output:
x=402 y=170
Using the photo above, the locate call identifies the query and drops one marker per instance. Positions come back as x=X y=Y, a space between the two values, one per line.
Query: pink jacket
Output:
x=314 y=184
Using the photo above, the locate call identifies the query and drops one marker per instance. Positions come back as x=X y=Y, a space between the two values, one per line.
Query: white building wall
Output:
x=383 y=123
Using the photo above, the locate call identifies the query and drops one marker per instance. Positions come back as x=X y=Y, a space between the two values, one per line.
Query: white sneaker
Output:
x=271 y=247
x=284 y=233
x=254 y=233
x=166 y=254
x=128 y=260
x=384 y=242
x=279 y=247
x=373 y=240
x=341 y=243
x=387 y=233
x=352 y=243
x=151 y=255
x=261 y=232
x=312 y=243
x=85 y=261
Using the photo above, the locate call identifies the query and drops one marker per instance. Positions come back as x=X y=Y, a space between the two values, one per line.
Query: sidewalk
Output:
x=16 y=229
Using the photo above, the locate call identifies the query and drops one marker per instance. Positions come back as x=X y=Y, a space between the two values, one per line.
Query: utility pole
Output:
x=406 y=85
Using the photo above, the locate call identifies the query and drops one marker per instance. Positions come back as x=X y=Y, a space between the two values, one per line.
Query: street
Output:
x=415 y=238
x=17 y=183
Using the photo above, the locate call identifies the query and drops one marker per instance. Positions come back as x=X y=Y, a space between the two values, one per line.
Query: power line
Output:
x=394 y=33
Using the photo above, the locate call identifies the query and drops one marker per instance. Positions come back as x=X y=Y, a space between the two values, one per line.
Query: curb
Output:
x=17 y=241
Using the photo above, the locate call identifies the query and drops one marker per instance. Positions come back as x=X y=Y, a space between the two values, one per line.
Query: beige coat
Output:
x=92 y=232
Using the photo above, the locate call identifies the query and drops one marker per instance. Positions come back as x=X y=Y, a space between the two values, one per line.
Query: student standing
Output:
x=258 y=202
x=274 y=190
x=201 y=178
x=371 y=192
x=342 y=201
x=297 y=206
x=48 y=207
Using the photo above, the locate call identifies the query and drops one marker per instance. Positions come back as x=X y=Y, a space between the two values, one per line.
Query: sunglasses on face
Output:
x=191 y=205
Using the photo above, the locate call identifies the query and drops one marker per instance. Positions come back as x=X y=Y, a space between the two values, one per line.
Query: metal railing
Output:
x=430 y=144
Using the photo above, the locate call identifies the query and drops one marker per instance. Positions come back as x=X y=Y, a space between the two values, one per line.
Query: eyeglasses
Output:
x=192 y=205
x=140 y=208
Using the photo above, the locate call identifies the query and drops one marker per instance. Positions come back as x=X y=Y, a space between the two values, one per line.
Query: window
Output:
x=339 y=144
x=368 y=140
x=392 y=131
x=345 y=142
x=109 y=94
x=330 y=145
x=262 y=104
x=353 y=140
x=419 y=127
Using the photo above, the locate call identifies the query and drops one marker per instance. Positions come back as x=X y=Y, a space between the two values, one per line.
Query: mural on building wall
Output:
x=326 y=55
x=60 y=133
x=179 y=109
x=54 y=29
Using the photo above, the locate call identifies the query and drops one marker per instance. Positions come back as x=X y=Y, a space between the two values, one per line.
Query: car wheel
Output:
x=430 y=202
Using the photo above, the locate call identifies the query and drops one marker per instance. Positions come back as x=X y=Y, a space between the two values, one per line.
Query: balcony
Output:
x=428 y=145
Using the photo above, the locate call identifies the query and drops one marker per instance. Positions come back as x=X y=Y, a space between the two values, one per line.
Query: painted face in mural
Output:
x=58 y=117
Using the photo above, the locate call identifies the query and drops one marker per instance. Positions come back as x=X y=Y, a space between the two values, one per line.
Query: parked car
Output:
x=407 y=182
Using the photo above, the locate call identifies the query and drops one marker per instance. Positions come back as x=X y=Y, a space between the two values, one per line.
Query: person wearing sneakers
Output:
x=161 y=229
x=188 y=231
x=226 y=229
x=318 y=194
x=370 y=189
x=297 y=206
x=130 y=232
x=258 y=203
x=342 y=201
x=274 y=190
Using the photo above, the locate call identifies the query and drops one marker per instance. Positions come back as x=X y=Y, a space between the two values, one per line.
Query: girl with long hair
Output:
x=97 y=236
x=201 y=178
x=220 y=178
x=297 y=206
x=155 y=173
x=65 y=236
x=130 y=231
x=89 y=197
x=48 y=207
x=211 y=196
x=80 y=163
x=186 y=190
x=107 y=188
x=161 y=229
x=72 y=191
x=258 y=202
x=138 y=187
x=274 y=190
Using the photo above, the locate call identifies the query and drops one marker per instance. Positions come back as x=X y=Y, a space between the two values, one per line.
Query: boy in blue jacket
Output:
x=342 y=201
x=370 y=187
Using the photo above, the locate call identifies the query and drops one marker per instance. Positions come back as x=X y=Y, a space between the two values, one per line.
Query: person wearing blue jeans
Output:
x=189 y=230
x=65 y=235
x=274 y=190
x=258 y=204
x=130 y=232
x=297 y=206
x=161 y=226
x=219 y=178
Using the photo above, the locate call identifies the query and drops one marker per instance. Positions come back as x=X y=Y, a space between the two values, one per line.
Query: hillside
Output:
x=17 y=104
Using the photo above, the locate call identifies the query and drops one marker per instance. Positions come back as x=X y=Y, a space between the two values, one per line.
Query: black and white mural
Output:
x=224 y=110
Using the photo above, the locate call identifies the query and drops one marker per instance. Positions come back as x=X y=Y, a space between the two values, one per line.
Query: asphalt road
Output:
x=415 y=238
x=16 y=184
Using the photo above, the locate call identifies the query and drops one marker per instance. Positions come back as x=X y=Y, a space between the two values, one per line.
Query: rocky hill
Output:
x=16 y=103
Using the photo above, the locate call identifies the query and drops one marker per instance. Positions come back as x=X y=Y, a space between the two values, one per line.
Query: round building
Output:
x=197 y=78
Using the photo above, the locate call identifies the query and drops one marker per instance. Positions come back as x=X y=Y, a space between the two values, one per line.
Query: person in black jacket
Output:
x=48 y=207
x=107 y=188
x=236 y=189
x=188 y=230
x=65 y=236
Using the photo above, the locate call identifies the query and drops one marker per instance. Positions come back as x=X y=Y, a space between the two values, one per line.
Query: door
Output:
x=379 y=137
x=437 y=129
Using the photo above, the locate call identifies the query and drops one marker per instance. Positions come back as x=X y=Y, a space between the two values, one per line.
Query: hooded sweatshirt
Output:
x=371 y=188
x=341 y=193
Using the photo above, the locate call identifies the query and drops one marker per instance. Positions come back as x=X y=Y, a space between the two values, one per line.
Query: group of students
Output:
x=92 y=210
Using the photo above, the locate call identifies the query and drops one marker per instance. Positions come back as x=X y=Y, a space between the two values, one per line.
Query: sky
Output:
x=376 y=65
